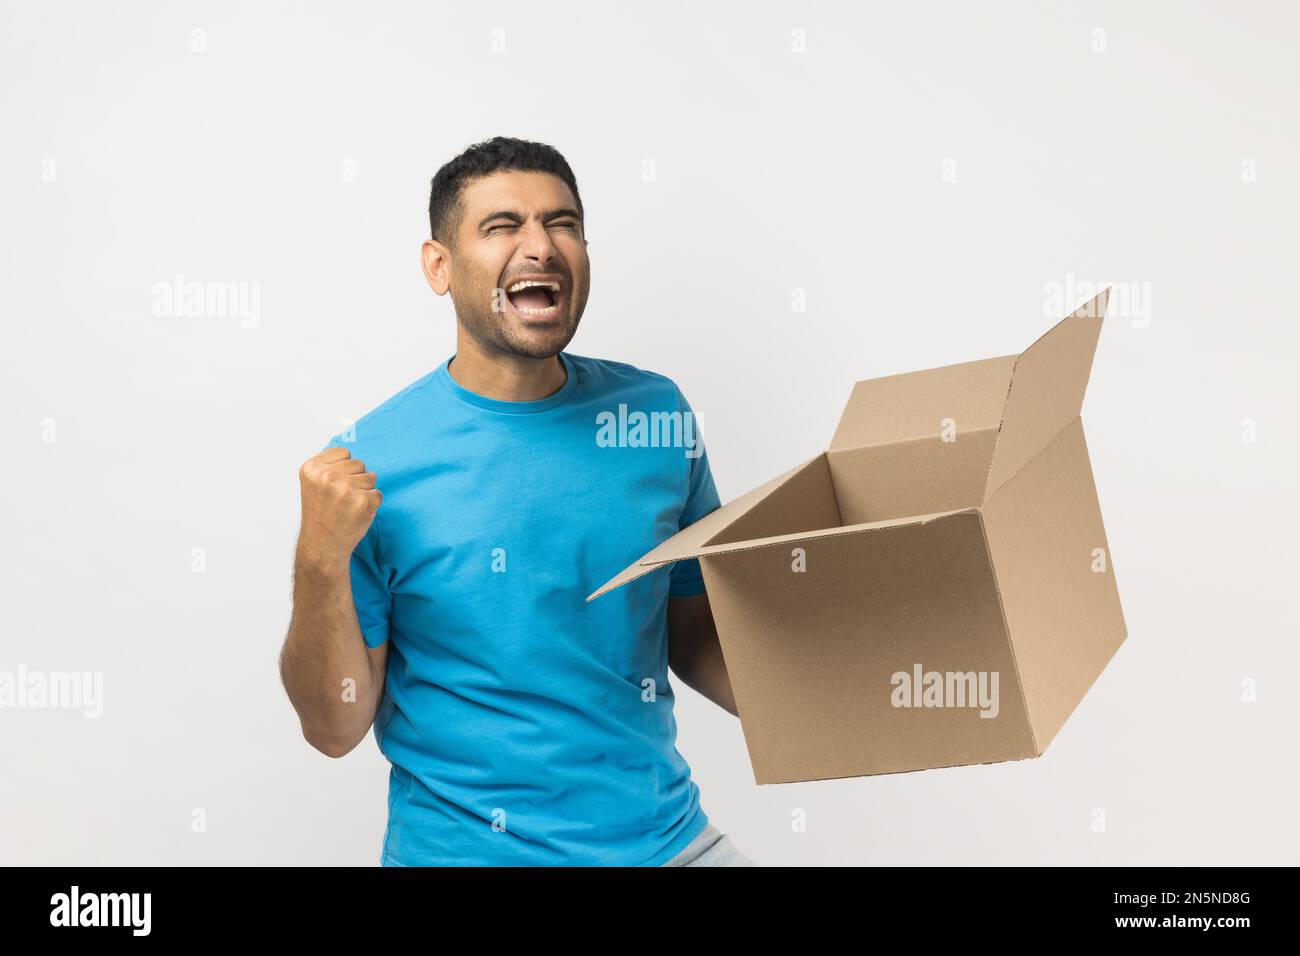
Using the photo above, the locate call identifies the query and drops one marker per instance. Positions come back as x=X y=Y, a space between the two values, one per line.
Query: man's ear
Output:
x=435 y=261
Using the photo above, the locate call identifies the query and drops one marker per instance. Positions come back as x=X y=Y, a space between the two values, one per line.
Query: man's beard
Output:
x=495 y=331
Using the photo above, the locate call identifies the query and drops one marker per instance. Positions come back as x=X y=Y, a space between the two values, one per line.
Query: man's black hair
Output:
x=500 y=152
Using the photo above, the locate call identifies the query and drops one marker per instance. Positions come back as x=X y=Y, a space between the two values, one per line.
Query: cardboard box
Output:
x=935 y=589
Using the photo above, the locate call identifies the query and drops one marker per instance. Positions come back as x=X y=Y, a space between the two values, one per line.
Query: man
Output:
x=448 y=543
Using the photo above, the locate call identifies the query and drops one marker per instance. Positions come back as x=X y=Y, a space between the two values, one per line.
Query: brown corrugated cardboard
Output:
x=934 y=589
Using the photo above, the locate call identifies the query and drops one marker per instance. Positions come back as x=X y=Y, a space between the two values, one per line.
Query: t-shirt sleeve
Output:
x=370 y=594
x=701 y=498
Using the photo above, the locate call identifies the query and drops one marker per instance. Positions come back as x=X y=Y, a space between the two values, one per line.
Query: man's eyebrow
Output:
x=515 y=217
x=560 y=213
x=500 y=214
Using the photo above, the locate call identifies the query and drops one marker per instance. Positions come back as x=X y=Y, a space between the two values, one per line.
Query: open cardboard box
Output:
x=934 y=589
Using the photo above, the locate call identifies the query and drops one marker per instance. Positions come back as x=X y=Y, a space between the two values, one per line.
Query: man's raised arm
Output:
x=324 y=647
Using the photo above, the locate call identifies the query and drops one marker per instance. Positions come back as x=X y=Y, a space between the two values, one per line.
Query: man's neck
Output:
x=504 y=377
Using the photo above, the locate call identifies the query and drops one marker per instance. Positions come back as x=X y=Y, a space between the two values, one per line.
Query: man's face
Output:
x=520 y=228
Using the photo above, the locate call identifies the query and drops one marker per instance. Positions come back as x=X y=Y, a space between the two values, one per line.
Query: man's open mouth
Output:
x=535 y=297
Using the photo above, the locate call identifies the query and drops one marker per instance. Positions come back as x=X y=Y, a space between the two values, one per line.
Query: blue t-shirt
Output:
x=524 y=725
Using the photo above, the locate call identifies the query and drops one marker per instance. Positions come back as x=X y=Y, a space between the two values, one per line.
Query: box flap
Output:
x=699 y=533
x=1044 y=529
x=1046 y=390
x=679 y=548
x=913 y=405
x=796 y=537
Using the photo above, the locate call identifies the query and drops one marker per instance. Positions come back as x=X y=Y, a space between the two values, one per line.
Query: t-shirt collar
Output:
x=443 y=375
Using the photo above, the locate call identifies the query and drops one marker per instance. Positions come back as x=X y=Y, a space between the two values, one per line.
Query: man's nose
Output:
x=537 y=243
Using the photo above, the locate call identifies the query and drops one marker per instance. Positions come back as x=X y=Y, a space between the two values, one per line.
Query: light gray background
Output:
x=775 y=170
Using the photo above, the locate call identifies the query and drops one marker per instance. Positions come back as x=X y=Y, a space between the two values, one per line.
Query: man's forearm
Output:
x=706 y=673
x=694 y=653
x=324 y=648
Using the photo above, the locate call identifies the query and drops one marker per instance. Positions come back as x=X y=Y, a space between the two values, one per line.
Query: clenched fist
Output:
x=339 y=501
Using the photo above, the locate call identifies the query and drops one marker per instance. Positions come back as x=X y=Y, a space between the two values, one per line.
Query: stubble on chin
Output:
x=495 y=331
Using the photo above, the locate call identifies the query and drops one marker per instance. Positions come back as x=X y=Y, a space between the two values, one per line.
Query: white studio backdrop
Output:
x=782 y=198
